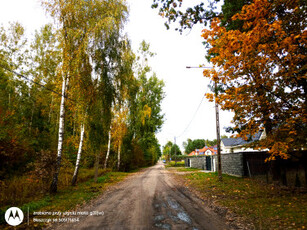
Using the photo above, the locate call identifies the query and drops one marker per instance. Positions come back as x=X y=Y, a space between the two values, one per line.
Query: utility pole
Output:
x=217 y=116
x=175 y=151
x=218 y=138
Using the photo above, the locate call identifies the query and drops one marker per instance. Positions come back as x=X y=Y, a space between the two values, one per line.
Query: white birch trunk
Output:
x=54 y=184
x=118 y=156
x=74 y=178
x=108 y=151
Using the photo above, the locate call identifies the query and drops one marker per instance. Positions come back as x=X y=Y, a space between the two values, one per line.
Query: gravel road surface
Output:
x=150 y=199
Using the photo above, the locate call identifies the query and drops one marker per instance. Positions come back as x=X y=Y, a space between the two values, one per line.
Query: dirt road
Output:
x=149 y=200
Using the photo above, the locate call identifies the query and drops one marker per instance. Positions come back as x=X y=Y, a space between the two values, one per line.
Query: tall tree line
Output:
x=82 y=99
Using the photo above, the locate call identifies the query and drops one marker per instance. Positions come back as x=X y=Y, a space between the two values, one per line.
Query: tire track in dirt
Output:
x=150 y=199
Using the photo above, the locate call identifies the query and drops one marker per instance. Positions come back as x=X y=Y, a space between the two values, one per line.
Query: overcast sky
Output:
x=184 y=88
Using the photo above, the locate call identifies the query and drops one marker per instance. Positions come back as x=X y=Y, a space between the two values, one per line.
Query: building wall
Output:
x=208 y=152
x=232 y=164
x=199 y=162
x=237 y=149
x=242 y=149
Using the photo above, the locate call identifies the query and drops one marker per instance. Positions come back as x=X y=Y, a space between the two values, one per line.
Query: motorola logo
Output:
x=13 y=216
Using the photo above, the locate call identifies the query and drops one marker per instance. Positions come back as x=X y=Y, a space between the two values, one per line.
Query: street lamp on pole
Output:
x=198 y=67
x=217 y=116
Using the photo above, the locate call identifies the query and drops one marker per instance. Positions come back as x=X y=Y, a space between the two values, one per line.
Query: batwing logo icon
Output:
x=14 y=216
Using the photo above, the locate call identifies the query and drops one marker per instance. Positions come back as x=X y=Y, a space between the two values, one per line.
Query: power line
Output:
x=37 y=83
x=193 y=116
x=192 y=67
x=217 y=127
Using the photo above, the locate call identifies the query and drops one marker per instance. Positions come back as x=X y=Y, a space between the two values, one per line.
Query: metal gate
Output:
x=208 y=163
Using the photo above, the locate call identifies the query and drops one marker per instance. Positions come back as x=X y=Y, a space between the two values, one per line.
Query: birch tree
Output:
x=81 y=23
x=119 y=130
x=114 y=59
x=109 y=147
x=74 y=178
x=144 y=118
x=54 y=183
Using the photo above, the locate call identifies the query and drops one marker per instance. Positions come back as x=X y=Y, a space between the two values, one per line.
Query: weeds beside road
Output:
x=67 y=198
x=266 y=206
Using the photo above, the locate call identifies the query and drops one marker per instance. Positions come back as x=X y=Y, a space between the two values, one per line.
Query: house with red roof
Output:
x=209 y=151
x=193 y=153
x=205 y=151
x=237 y=155
x=204 y=159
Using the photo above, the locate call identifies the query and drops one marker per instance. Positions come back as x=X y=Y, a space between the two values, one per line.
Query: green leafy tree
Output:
x=15 y=103
x=45 y=56
x=149 y=99
x=170 y=150
x=145 y=96
x=211 y=142
x=58 y=114
x=175 y=150
x=167 y=150
x=187 y=15
x=191 y=145
x=82 y=25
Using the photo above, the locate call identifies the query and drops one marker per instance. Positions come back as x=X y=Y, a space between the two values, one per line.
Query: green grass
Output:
x=266 y=206
x=68 y=198
x=174 y=164
x=183 y=169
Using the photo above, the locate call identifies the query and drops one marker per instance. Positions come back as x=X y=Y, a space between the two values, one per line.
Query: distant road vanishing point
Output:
x=150 y=199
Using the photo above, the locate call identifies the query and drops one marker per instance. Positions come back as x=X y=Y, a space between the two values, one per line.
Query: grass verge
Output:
x=66 y=199
x=183 y=169
x=174 y=164
x=266 y=206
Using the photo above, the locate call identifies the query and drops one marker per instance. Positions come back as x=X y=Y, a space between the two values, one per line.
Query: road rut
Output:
x=150 y=199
